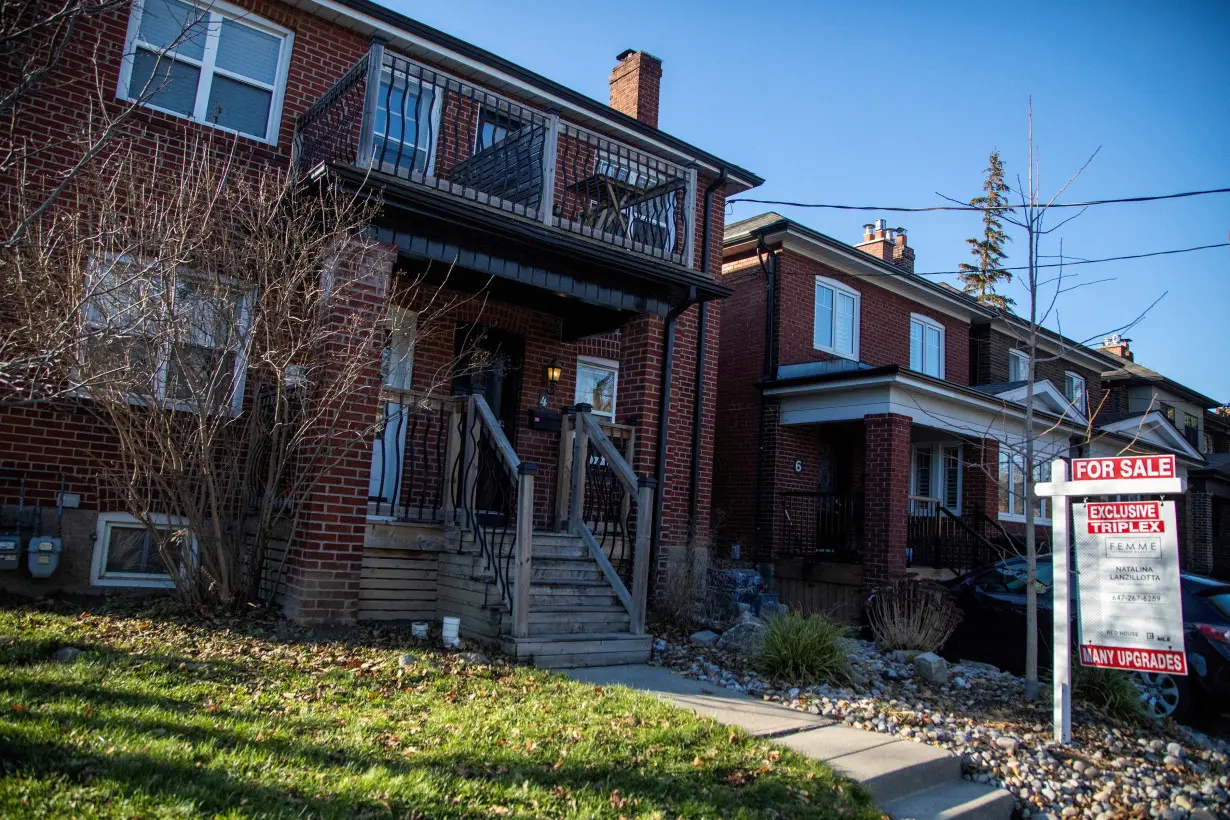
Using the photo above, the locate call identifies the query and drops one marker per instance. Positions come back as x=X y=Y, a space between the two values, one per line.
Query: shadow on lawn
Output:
x=218 y=767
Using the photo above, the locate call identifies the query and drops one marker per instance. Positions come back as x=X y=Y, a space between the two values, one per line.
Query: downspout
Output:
x=664 y=412
x=701 y=338
x=764 y=480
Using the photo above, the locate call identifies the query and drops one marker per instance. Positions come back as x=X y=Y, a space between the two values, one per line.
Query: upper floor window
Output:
x=493 y=126
x=1191 y=429
x=926 y=346
x=1018 y=366
x=837 y=318
x=1074 y=390
x=596 y=384
x=218 y=65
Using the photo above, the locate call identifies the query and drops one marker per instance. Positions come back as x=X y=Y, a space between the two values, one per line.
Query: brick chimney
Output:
x=635 y=85
x=1117 y=346
x=887 y=244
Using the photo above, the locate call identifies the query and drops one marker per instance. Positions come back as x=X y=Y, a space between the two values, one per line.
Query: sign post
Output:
x=1062 y=619
x=1128 y=606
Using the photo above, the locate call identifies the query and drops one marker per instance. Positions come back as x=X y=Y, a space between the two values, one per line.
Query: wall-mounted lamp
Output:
x=551 y=374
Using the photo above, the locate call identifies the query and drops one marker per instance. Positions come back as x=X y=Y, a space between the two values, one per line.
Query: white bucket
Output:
x=419 y=629
x=452 y=626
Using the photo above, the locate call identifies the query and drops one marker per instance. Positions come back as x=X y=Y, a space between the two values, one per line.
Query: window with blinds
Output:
x=218 y=65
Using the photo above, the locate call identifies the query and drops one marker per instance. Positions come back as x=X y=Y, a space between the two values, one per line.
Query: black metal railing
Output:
x=610 y=507
x=401 y=118
x=490 y=491
x=823 y=526
x=415 y=457
x=938 y=538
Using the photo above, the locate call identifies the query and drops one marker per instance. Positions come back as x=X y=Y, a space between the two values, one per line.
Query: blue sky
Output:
x=888 y=103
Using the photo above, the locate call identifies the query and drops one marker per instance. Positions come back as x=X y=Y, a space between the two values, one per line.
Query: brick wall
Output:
x=989 y=365
x=738 y=414
x=322 y=571
x=884 y=327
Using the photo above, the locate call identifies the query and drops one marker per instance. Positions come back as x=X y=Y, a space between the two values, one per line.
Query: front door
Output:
x=491 y=360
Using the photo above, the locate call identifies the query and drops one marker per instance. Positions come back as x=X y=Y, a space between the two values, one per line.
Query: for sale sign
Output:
x=1127 y=562
x=1123 y=468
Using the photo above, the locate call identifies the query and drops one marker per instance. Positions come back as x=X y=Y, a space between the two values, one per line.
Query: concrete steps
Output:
x=951 y=800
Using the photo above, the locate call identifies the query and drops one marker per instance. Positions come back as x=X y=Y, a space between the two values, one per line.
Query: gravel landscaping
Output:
x=1112 y=769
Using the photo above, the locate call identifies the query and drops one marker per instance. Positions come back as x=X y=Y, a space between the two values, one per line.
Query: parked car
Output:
x=993 y=631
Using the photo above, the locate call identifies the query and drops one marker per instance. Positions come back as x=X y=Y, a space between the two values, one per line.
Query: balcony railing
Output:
x=398 y=117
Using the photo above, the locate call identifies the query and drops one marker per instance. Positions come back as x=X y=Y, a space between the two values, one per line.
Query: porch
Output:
x=414 y=126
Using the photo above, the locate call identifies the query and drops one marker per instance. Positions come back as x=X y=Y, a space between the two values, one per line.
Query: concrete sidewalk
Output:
x=906 y=779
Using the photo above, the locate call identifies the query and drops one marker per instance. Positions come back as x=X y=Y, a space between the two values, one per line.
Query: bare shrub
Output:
x=912 y=614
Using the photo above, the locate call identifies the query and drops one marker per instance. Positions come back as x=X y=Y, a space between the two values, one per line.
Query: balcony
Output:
x=395 y=117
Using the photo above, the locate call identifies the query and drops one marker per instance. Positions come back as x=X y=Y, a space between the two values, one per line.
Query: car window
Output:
x=1012 y=578
x=1220 y=601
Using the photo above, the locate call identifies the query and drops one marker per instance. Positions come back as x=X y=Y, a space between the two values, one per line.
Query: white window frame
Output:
x=1070 y=378
x=936 y=454
x=244 y=305
x=1042 y=465
x=836 y=287
x=598 y=364
x=926 y=322
x=217 y=11
x=102 y=536
x=1022 y=359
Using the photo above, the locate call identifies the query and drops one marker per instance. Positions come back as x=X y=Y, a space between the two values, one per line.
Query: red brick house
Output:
x=870 y=420
x=596 y=241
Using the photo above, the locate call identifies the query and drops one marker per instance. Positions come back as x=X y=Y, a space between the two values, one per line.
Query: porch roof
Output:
x=851 y=394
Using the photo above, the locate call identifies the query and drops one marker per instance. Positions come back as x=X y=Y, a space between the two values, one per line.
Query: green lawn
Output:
x=165 y=714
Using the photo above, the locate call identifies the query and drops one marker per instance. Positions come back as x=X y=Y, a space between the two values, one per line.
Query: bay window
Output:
x=215 y=64
x=837 y=318
x=1012 y=489
x=926 y=346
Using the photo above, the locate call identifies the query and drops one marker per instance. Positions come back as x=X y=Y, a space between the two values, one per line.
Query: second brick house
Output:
x=870 y=421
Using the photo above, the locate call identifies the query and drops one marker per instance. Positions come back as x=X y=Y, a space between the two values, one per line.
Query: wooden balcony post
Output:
x=452 y=466
x=469 y=465
x=640 y=561
x=371 y=93
x=525 y=549
x=580 y=454
x=546 y=200
x=563 y=475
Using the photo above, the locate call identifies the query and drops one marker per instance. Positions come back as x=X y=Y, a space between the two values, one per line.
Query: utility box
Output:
x=43 y=556
x=10 y=552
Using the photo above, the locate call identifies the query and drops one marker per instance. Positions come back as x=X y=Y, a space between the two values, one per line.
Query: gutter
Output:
x=701 y=338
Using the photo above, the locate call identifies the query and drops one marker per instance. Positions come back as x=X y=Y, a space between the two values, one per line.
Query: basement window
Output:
x=126 y=553
x=219 y=65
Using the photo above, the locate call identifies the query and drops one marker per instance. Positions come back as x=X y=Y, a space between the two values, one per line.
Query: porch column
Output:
x=640 y=386
x=323 y=568
x=981 y=482
x=886 y=491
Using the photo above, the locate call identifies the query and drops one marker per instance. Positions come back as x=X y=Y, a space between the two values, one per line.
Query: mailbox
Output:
x=545 y=420
x=43 y=556
x=10 y=551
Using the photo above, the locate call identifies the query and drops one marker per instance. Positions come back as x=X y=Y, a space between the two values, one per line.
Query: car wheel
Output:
x=1163 y=695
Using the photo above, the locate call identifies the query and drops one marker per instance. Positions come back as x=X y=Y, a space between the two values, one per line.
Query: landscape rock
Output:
x=705 y=637
x=474 y=657
x=931 y=668
x=744 y=637
x=67 y=654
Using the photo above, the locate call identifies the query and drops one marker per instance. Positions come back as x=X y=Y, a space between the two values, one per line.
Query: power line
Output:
x=1066 y=264
x=971 y=207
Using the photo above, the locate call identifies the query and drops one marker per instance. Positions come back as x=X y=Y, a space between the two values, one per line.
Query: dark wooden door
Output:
x=491 y=360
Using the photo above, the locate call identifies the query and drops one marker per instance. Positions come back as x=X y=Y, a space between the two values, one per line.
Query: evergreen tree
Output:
x=980 y=279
